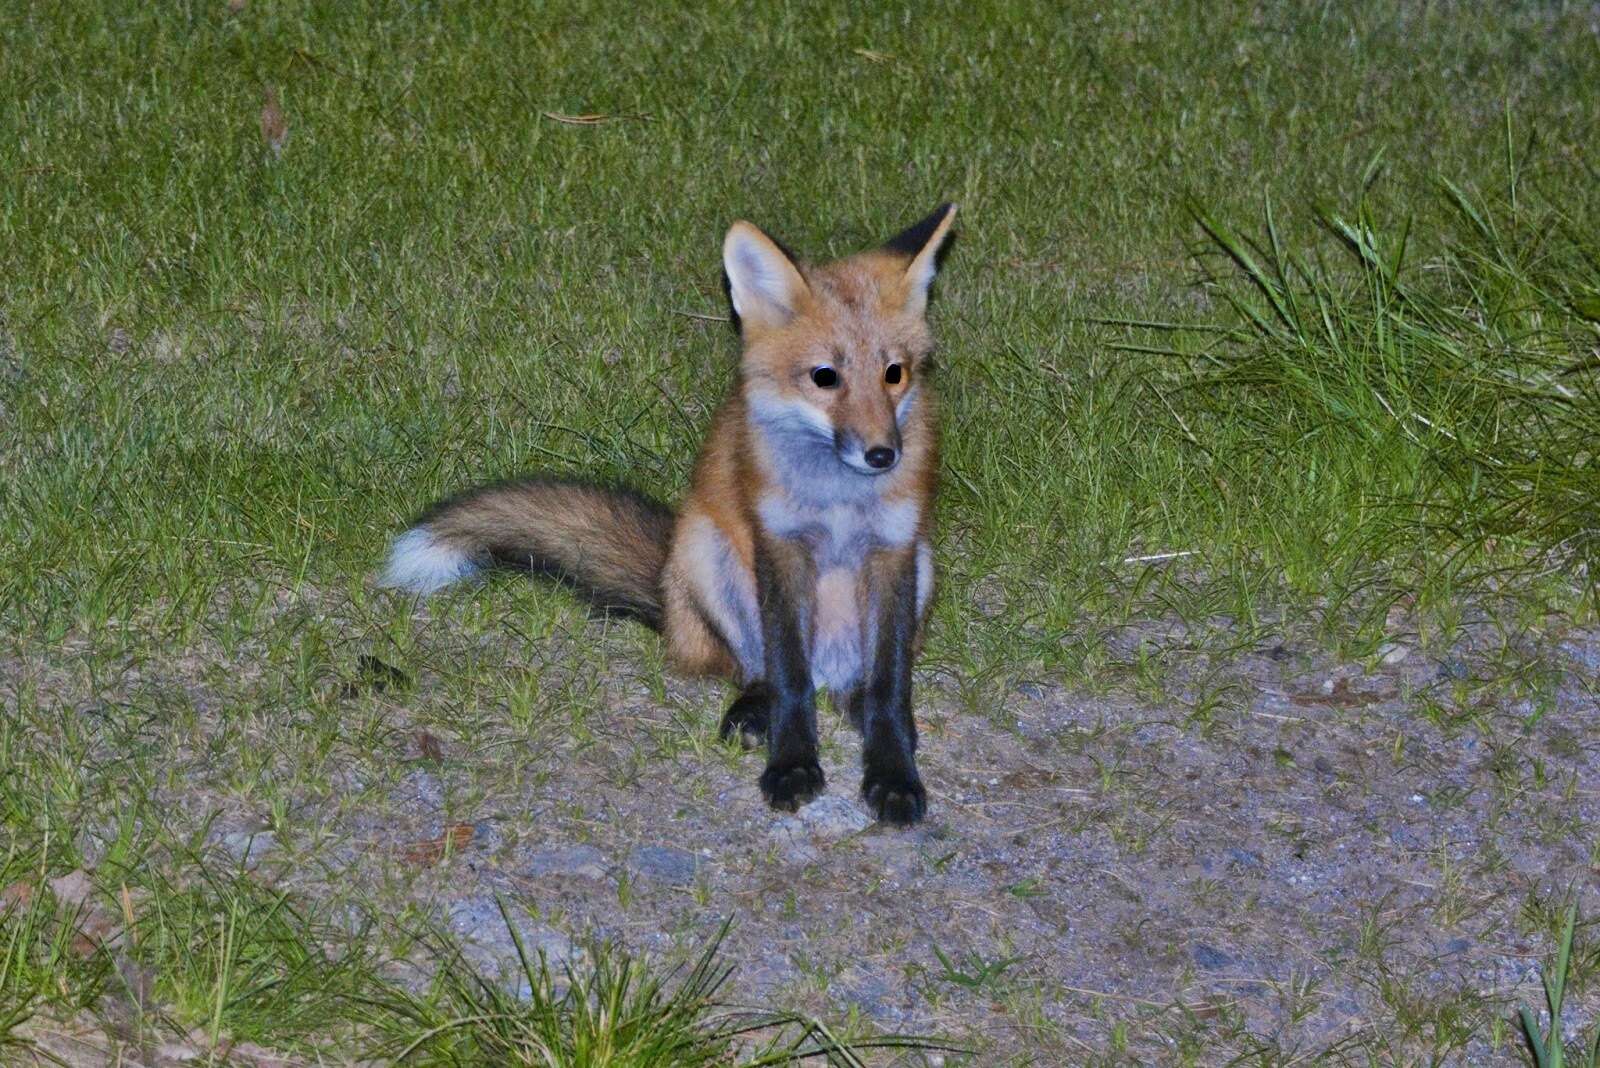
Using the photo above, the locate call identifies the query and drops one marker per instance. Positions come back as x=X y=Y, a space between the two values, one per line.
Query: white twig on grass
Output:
x=1155 y=557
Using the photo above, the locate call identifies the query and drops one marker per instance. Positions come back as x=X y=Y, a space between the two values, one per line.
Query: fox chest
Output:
x=839 y=538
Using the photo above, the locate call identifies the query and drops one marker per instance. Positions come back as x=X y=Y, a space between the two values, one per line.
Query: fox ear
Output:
x=922 y=246
x=763 y=283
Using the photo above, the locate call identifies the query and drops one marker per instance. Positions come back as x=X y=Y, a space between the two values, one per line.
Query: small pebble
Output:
x=1392 y=653
x=248 y=847
x=584 y=862
x=832 y=817
x=1585 y=653
x=664 y=864
x=73 y=888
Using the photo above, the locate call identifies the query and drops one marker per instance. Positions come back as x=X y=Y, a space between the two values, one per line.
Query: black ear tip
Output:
x=914 y=238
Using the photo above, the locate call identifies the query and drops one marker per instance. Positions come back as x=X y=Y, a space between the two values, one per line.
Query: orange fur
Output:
x=693 y=576
x=858 y=315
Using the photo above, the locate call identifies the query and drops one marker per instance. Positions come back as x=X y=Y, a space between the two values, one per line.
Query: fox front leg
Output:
x=890 y=783
x=793 y=774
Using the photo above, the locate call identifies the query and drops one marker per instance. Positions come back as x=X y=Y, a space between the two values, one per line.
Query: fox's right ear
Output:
x=763 y=283
x=923 y=246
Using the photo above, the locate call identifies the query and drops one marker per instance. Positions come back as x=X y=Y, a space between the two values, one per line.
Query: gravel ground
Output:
x=1259 y=851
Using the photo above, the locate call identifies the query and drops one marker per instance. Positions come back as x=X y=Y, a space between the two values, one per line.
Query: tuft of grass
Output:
x=219 y=960
x=1550 y=1049
x=614 y=1011
x=233 y=959
x=46 y=967
x=974 y=971
x=1407 y=414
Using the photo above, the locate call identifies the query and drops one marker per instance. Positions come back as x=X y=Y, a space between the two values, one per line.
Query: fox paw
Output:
x=895 y=797
x=789 y=785
x=747 y=718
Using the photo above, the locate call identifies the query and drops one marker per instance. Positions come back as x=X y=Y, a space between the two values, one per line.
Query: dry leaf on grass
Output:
x=1340 y=697
x=428 y=747
x=274 y=126
x=589 y=119
x=431 y=851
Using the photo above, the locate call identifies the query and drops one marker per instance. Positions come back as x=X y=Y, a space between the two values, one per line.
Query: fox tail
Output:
x=610 y=544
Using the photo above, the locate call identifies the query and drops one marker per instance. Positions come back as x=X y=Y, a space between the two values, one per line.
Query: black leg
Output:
x=889 y=781
x=793 y=775
x=749 y=716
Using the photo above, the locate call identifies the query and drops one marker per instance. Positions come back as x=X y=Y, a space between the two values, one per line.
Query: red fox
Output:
x=801 y=558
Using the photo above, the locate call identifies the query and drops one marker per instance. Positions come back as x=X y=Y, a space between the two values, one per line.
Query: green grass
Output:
x=42 y=970
x=235 y=960
x=1550 y=1048
x=225 y=961
x=1423 y=421
x=612 y=1011
x=1260 y=317
x=222 y=364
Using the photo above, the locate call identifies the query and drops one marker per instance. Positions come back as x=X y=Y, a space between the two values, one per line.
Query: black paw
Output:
x=895 y=797
x=747 y=717
x=789 y=785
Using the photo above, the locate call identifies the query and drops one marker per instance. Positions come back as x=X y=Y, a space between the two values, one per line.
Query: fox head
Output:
x=834 y=354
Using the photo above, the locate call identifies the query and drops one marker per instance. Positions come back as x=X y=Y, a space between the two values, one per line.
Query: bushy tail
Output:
x=611 y=544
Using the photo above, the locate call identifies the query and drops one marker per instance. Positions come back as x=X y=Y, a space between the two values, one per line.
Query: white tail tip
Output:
x=420 y=564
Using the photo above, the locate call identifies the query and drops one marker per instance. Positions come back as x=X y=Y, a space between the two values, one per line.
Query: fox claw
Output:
x=747 y=717
x=895 y=798
x=788 y=786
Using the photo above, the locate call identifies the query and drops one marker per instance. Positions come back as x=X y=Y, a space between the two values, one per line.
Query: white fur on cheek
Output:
x=420 y=564
x=902 y=410
x=788 y=412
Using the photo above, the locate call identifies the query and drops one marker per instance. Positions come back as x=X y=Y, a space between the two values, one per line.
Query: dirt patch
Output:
x=1276 y=852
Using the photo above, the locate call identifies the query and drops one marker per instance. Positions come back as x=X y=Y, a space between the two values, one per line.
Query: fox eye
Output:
x=825 y=376
x=892 y=374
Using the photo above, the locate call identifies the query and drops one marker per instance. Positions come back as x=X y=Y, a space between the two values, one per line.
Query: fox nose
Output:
x=880 y=456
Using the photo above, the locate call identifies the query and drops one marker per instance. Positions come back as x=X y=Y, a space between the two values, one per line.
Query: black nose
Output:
x=880 y=456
